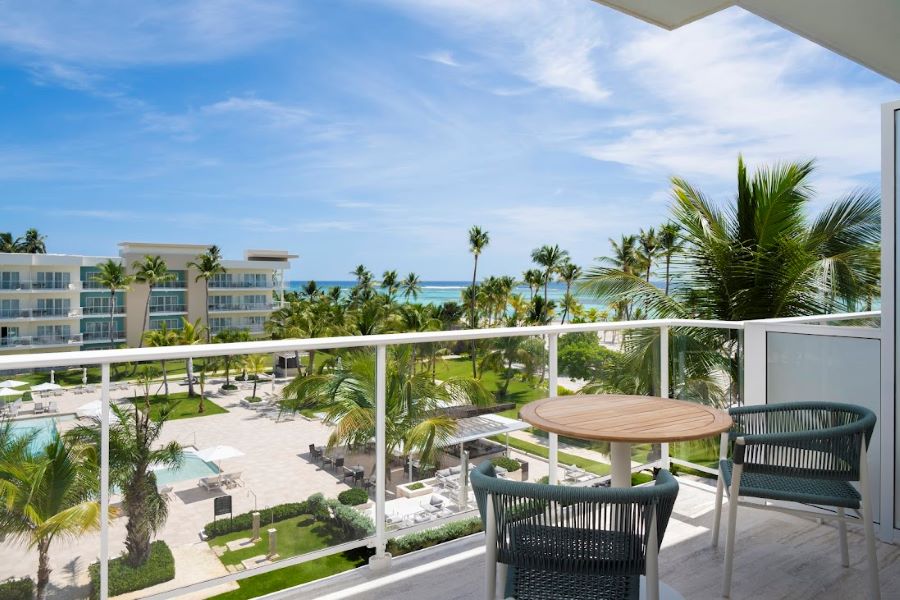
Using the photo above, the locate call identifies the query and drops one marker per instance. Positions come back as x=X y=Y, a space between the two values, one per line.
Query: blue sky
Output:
x=378 y=131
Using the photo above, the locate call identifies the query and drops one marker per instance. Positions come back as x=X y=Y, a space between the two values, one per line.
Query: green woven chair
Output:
x=568 y=543
x=803 y=452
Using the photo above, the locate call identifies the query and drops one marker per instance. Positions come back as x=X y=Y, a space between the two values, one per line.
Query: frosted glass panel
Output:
x=823 y=368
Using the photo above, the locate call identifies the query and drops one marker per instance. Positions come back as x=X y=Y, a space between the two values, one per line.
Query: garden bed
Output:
x=159 y=568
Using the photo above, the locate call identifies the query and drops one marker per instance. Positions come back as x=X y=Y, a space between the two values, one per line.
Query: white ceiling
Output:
x=866 y=31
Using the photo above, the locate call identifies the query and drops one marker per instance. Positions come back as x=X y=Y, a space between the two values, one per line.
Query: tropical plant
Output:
x=255 y=365
x=113 y=276
x=135 y=452
x=411 y=286
x=231 y=336
x=478 y=241
x=34 y=242
x=10 y=244
x=310 y=290
x=190 y=335
x=550 y=258
x=161 y=338
x=649 y=248
x=669 y=245
x=415 y=423
x=390 y=282
x=152 y=271
x=568 y=273
x=208 y=265
x=533 y=278
x=45 y=494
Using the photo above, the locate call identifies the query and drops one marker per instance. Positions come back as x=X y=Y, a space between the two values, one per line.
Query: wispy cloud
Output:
x=443 y=57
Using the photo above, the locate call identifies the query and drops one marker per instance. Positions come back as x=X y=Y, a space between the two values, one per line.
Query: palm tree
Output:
x=411 y=286
x=135 y=452
x=550 y=258
x=113 y=276
x=415 y=423
x=390 y=282
x=231 y=336
x=533 y=279
x=255 y=364
x=34 y=242
x=191 y=334
x=153 y=271
x=478 y=241
x=310 y=290
x=649 y=248
x=669 y=244
x=568 y=273
x=208 y=265
x=160 y=338
x=10 y=244
x=47 y=494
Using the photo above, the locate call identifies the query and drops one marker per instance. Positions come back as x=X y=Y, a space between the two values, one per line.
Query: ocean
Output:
x=438 y=292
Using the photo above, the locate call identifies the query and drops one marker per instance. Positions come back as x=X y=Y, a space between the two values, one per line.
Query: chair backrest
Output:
x=312 y=448
x=575 y=530
x=339 y=462
x=821 y=440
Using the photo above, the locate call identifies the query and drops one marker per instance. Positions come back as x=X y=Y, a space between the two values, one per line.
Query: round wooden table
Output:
x=625 y=420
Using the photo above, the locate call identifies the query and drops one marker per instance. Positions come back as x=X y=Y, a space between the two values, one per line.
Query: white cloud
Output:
x=279 y=114
x=443 y=57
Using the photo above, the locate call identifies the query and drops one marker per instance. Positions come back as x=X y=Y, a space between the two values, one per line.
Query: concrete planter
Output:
x=404 y=492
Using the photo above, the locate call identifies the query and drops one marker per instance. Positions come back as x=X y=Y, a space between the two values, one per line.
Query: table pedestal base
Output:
x=620 y=457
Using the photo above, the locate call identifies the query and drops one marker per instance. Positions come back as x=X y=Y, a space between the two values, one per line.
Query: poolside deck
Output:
x=777 y=557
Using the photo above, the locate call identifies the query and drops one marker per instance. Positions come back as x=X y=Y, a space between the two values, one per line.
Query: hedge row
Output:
x=17 y=589
x=159 y=568
x=244 y=521
x=431 y=537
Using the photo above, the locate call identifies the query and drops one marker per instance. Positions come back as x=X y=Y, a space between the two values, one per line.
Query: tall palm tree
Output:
x=533 y=279
x=208 y=265
x=390 y=282
x=411 y=286
x=135 y=452
x=649 y=247
x=160 y=338
x=568 y=273
x=231 y=336
x=34 y=242
x=669 y=245
x=113 y=276
x=191 y=334
x=256 y=365
x=10 y=244
x=310 y=290
x=153 y=271
x=478 y=241
x=415 y=422
x=550 y=258
x=47 y=494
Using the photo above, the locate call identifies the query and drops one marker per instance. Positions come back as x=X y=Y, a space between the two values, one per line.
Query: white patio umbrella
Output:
x=12 y=383
x=9 y=392
x=91 y=410
x=84 y=376
x=45 y=387
x=215 y=454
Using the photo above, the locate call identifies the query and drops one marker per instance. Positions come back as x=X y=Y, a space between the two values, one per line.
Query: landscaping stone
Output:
x=239 y=544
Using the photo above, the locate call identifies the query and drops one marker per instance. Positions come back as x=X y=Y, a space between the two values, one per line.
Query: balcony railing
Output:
x=242 y=307
x=167 y=308
x=178 y=284
x=102 y=336
x=36 y=286
x=102 y=310
x=40 y=313
x=238 y=285
x=41 y=340
x=551 y=334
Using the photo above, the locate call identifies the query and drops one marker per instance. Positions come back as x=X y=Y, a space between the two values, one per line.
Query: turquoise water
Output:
x=193 y=467
x=438 y=292
x=43 y=429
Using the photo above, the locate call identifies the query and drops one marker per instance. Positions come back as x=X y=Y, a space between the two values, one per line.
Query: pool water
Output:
x=42 y=428
x=192 y=467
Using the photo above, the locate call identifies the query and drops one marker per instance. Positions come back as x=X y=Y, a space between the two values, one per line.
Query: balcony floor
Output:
x=777 y=557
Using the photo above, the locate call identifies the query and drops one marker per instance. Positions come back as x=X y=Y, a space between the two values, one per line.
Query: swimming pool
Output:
x=42 y=428
x=192 y=467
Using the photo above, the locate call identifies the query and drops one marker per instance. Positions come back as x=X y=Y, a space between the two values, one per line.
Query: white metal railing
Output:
x=155 y=309
x=247 y=306
x=106 y=358
x=41 y=340
x=31 y=286
x=102 y=310
x=40 y=313
x=239 y=285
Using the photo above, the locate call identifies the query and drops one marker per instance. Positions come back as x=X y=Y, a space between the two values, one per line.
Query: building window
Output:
x=9 y=308
x=172 y=323
x=54 y=280
x=9 y=280
x=260 y=280
x=54 y=331
x=166 y=304
x=53 y=306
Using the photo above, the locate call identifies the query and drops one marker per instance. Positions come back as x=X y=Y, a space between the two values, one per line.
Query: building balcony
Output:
x=169 y=309
x=170 y=285
x=46 y=341
x=248 y=307
x=39 y=286
x=239 y=285
x=102 y=311
x=39 y=314
x=93 y=337
x=252 y=329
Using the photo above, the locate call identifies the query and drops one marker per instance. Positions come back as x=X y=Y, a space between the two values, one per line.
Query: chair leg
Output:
x=734 y=492
x=866 y=505
x=842 y=537
x=652 y=575
x=717 y=516
x=490 y=549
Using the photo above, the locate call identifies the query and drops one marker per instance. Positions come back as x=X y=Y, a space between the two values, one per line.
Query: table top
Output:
x=621 y=418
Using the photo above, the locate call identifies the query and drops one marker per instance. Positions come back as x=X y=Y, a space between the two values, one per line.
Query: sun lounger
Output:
x=52 y=407
x=210 y=483
x=166 y=490
x=38 y=407
x=232 y=479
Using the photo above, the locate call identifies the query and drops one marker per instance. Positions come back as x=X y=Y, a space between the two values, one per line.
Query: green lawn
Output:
x=519 y=391
x=598 y=468
x=70 y=377
x=187 y=408
x=297 y=535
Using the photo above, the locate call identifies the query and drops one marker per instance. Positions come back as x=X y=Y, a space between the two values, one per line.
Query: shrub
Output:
x=317 y=506
x=159 y=568
x=244 y=521
x=418 y=485
x=582 y=357
x=229 y=387
x=17 y=589
x=352 y=523
x=26 y=397
x=353 y=497
x=252 y=399
x=430 y=537
x=505 y=462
